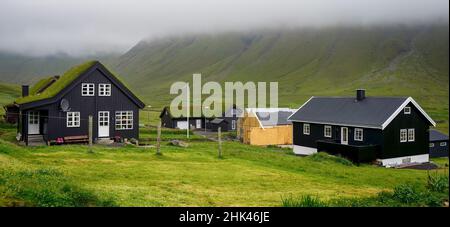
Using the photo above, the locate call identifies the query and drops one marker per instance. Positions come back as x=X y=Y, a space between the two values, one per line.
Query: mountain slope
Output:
x=16 y=68
x=8 y=92
x=305 y=62
x=393 y=60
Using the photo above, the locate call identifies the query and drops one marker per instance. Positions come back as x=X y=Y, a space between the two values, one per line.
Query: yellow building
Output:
x=265 y=126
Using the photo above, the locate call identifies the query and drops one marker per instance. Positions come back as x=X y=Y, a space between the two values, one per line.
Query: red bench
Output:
x=76 y=139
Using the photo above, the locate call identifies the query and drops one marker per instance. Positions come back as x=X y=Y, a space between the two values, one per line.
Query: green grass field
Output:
x=194 y=176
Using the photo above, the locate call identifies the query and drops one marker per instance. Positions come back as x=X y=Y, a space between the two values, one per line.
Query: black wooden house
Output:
x=438 y=144
x=59 y=109
x=228 y=120
x=168 y=120
x=391 y=130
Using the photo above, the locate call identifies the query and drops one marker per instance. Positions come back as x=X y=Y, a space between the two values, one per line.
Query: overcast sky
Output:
x=80 y=27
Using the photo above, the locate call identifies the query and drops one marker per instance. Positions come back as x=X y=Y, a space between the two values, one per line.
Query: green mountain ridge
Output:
x=305 y=62
x=21 y=69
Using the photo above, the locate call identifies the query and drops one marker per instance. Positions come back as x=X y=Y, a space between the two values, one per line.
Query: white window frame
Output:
x=403 y=135
x=406 y=160
x=124 y=124
x=325 y=131
x=407 y=110
x=431 y=145
x=33 y=117
x=73 y=119
x=198 y=123
x=87 y=89
x=443 y=144
x=104 y=89
x=359 y=134
x=411 y=135
x=233 y=124
x=306 y=129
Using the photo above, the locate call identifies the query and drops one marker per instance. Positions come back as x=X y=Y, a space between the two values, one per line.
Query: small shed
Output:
x=219 y=122
x=438 y=144
x=265 y=126
x=11 y=113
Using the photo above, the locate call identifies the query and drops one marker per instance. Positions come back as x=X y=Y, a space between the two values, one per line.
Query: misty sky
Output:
x=82 y=27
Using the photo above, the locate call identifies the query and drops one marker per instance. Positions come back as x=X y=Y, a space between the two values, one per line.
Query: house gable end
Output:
x=96 y=67
x=400 y=110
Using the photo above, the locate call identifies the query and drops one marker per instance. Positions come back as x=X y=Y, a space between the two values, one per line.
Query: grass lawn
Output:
x=193 y=176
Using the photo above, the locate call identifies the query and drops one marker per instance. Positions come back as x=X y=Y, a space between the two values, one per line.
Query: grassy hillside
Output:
x=387 y=61
x=16 y=68
x=8 y=92
x=193 y=176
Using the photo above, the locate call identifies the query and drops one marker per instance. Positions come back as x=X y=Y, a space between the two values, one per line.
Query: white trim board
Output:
x=390 y=162
x=257 y=118
x=302 y=150
x=269 y=110
x=299 y=108
x=337 y=124
x=400 y=109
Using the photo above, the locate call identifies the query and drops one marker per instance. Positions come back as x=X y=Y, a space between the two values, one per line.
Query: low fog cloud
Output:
x=82 y=27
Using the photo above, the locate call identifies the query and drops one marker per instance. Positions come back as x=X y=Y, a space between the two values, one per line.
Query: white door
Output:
x=103 y=124
x=33 y=122
x=344 y=135
x=198 y=123
x=182 y=124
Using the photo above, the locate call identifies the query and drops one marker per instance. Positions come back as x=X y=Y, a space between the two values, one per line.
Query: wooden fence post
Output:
x=90 y=132
x=158 y=139
x=219 y=138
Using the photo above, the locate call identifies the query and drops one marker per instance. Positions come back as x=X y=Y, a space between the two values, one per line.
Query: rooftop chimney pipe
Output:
x=25 y=90
x=360 y=94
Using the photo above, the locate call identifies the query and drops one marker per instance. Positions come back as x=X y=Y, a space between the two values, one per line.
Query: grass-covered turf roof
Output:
x=40 y=84
x=57 y=86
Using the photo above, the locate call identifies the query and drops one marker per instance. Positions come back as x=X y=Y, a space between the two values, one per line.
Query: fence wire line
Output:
x=54 y=117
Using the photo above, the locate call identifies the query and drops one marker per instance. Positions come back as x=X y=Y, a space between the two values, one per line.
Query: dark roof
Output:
x=217 y=121
x=437 y=136
x=274 y=118
x=369 y=112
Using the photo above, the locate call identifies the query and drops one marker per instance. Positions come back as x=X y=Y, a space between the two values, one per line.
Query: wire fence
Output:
x=55 y=117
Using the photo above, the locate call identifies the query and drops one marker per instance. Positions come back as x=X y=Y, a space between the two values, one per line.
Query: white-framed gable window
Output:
x=407 y=110
x=327 y=131
x=431 y=144
x=403 y=135
x=359 y=136
x=87 y=89
x=104 y=89
x=306 y=129
x=411 y=135
x=124 y=120
x=443 y=144
x=73 y=119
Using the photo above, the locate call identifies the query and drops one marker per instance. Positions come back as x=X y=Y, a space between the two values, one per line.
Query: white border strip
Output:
x=299 y=108
x=338 y=124
x=406 y=102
